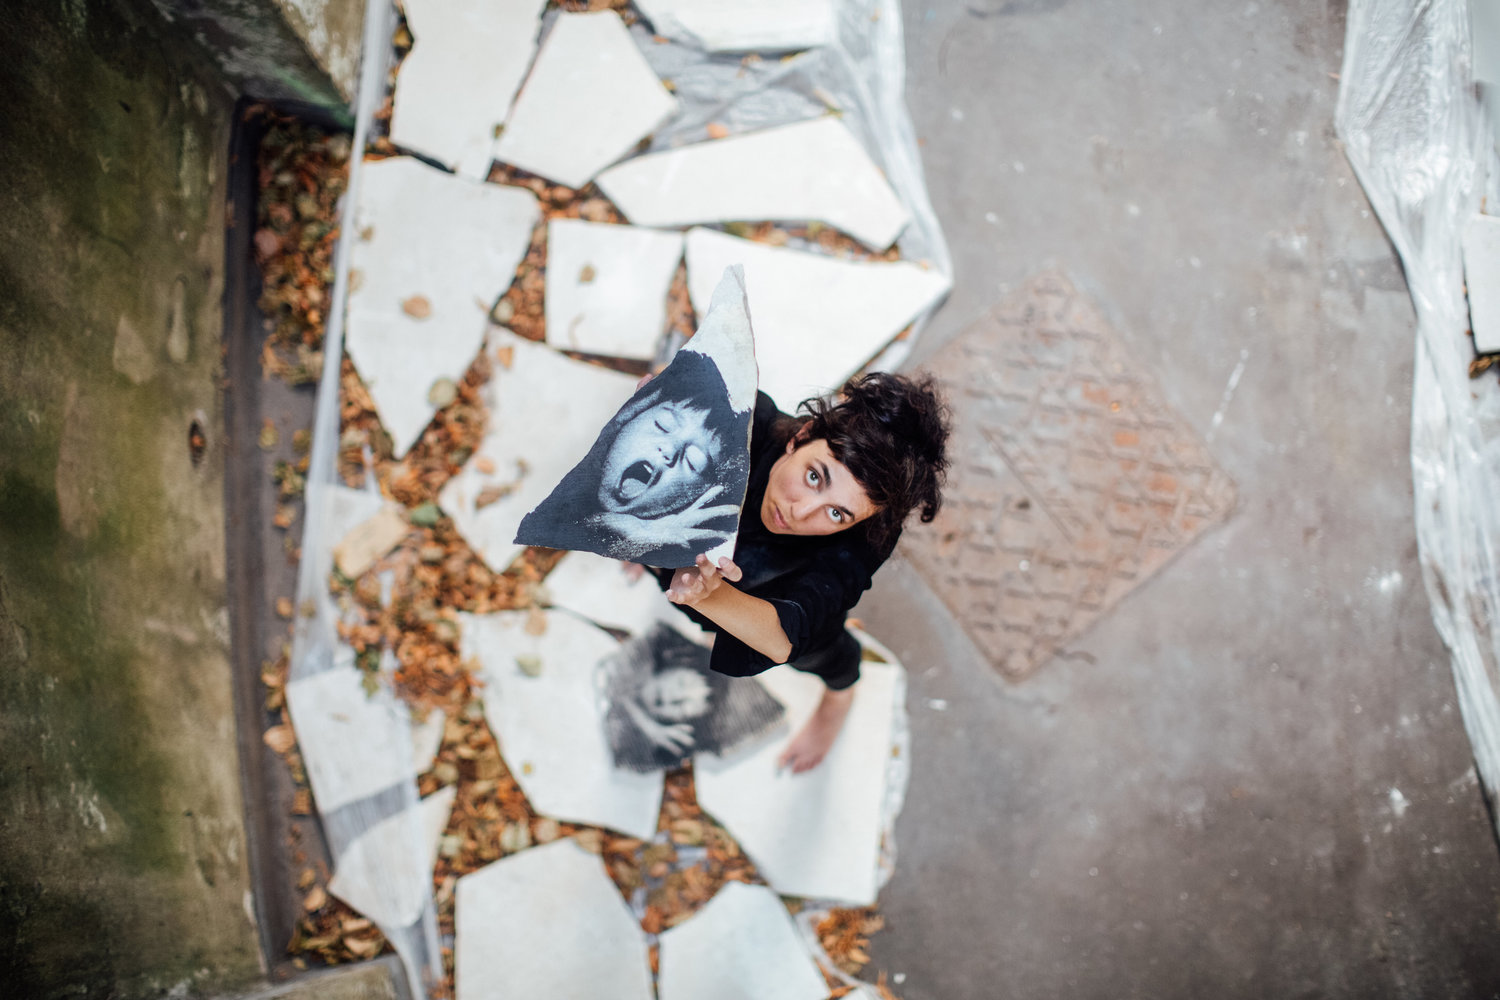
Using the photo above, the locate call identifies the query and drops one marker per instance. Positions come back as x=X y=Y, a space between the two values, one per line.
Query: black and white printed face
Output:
x=676 y=695
x=660 y=461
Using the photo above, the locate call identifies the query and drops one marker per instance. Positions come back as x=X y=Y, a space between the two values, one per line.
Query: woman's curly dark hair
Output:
x=891 y=431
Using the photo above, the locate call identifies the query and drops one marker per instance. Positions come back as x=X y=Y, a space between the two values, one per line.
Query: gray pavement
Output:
x=1250 y=779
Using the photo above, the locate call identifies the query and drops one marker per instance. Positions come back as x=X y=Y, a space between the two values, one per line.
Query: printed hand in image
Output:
x=683 y=527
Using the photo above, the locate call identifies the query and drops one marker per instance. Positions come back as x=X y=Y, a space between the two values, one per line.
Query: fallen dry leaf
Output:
x=417 y=307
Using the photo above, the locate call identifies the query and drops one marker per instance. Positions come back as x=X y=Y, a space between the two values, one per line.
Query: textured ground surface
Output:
x=1249 y=778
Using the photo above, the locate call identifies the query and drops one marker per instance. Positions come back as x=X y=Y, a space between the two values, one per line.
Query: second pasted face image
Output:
x=665 y=478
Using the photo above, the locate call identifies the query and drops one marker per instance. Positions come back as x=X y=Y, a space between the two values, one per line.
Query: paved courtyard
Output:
x=1248 y=777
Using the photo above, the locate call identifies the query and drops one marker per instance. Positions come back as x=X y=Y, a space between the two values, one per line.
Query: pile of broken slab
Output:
x=435 y=244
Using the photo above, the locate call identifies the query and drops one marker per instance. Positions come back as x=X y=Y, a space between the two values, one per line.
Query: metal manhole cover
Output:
x=1072 y=481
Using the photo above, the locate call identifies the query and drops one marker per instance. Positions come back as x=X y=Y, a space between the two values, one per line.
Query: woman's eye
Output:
x=695 y=457
x=812 y=477
x=836 y=514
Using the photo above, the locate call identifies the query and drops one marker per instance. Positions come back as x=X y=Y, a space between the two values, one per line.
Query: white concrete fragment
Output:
x=1481 y=241
x=455 y=86
x=434 y=253
x=362 y=546
x=426 y=740
x=545 y=411
x=607 y=287
x=811 y=171
x=547 y=923
x=596 y=588
x=551 y=726
x=386 y=872
x=815 y=834
x=589 y=99
x=818 y=319
x=742 y=946
x=744 y=26
x=353 y=745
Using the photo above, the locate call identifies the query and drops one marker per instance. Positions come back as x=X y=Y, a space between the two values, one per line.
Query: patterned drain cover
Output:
x=1072 y=481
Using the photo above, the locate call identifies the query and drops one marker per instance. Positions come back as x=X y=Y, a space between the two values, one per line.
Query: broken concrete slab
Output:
x=589 y=99
x=532 y=387
x=434 y=252
x=455 y=86
x=547 y=922
x=815 y=834
x=543 y=704
x=1481 y=241
x=365 y=544
x=743 y=945
x=597 y=589
x=426 y=740
x=748 y=26
x=353 y=744
x=607 y=287
x=665 y=478
x=386 y=873
x=811 y=171
x=818 y=319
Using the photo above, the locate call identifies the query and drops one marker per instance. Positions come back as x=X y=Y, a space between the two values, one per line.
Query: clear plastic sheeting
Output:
x=1414 y=132
x=861 y=78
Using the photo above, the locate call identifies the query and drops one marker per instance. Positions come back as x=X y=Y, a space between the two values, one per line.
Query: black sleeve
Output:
x=811 y=609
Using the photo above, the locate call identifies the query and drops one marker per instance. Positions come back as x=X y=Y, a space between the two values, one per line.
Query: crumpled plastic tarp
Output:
x=1414 y=131
x=862 y=78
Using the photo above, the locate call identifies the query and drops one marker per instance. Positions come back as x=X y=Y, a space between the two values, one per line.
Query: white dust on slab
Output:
x=367 y=542
x=467 y=60
x=589 y=99
x=433 y=252
x=597 y=589
x=742 y=946
x=744 y=26
x=352 y=744
x=545 y=410
x=547 y=924
x=818 y=319
x=1481 y=241
x=815 y=834
x=386 y=872
x=607 y=287
x=543 y=705
x=811 y=171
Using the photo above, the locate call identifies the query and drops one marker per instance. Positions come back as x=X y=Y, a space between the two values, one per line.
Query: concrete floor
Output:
x=1251 y=779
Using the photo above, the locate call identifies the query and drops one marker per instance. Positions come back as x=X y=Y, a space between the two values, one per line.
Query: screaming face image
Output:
x=662 y=459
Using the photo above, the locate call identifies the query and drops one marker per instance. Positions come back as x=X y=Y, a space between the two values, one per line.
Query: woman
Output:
x=829 y=492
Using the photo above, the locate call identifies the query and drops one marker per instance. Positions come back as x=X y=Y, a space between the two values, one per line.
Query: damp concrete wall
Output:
x=122 y=844
x=285 y=50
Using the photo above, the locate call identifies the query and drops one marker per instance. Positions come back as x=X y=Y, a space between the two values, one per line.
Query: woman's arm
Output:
x=751 y=620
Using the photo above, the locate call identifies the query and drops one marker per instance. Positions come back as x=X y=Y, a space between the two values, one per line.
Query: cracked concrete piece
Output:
x=815 y=834
x=434 y=253
x=742 y=946
x=589 y=99
x=467 y=61
x=426 y=740
x=607 y=287
x=545 y=411
x=1482 y=275
x=547 y=923
x=596 y=588
x=818 y=319
x=365 y=544
x=746 y=26
x=386 y=872
x=550 y=726
x=811 y=171
x=353 y=745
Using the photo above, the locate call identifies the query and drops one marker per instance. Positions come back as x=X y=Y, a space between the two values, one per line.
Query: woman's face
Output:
x=810 y=492
x=675 y=695
x=661 y=461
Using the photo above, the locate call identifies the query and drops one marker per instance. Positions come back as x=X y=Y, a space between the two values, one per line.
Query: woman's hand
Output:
x=698 y=582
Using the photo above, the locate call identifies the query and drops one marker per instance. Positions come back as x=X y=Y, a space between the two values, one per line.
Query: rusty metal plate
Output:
x=1072 y=480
